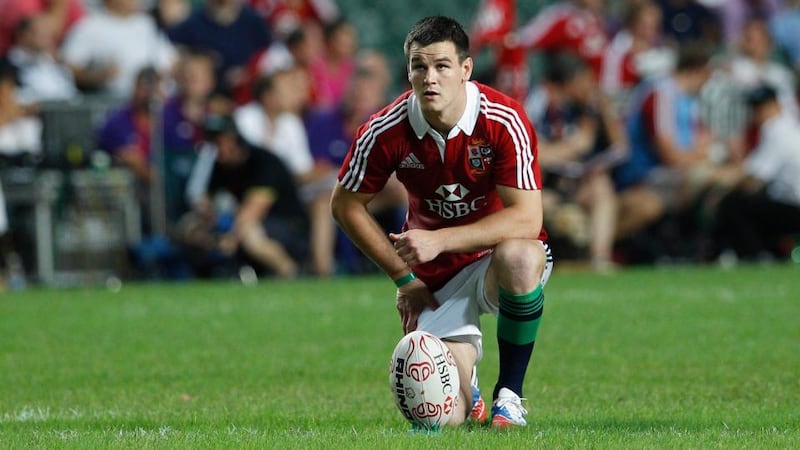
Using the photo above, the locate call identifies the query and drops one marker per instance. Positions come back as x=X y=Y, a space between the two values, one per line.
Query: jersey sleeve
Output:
x=517 y=162
x=368 y=164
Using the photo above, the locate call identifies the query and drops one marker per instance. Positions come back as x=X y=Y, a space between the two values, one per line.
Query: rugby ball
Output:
x=424 y=380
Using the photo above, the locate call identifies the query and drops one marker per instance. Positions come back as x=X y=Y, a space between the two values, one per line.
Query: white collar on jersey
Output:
x=466 y=123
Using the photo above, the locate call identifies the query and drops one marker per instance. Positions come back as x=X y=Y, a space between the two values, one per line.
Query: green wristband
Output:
x=402 y=281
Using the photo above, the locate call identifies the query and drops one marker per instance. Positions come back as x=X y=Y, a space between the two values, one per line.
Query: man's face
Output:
x=39 y=36
x=197 y=77
x=437 y=76
x=756 y=41
x=228 y=151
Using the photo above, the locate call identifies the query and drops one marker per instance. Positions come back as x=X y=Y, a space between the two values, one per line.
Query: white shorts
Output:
x=461 y=302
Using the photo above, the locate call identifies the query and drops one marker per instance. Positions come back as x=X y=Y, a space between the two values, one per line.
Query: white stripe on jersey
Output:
x=664 y=108
x=518 y=132
x=613 y=62
x=541 y=24
x=358 y=162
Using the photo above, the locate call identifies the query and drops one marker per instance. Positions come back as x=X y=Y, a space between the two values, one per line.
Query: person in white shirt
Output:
x=43 y=77
x=764 y=206
x=20 y=126
x=107 y=49
x=753 y=66
x=272 y=121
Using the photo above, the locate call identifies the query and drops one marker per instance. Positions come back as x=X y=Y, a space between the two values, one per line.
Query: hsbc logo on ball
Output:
x=454 y=202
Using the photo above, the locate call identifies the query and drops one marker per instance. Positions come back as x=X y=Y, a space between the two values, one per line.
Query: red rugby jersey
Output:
x=619 y=67
x=453 y=182
x=566 y=27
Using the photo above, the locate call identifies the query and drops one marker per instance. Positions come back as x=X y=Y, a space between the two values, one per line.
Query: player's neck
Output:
x=445 y=120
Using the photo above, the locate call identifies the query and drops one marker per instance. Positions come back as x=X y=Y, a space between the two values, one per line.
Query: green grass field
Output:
x=671 y=358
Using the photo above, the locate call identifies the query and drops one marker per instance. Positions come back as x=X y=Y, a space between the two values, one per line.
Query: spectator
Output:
x=273 y=122
x=19 y=137
x=20 y=128
x=493 y=22
x=268 y=224
x=331 y=73
x=637 y=51
x=300 y=48
x=230 y=30
x=765 y=204
x=579 y=141
x=785 y=30
x=754 y=66
x=574 y=26
x=330 y=133
x=110 y=47
x=183 y=117
x=285 y=16
x=668 y=143
x=735 y=15
x=168 y=13
x=42 y=76
x=126 y=135
x=61 y=16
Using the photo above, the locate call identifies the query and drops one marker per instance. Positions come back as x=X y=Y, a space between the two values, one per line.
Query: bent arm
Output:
x=672 y=156
x=255 y=207
x=521 y=218
x=349 y=209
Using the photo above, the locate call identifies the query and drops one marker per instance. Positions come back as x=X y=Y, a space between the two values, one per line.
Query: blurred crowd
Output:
x=668 y=129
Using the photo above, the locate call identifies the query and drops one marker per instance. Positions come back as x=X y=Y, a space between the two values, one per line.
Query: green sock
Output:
x=517 y=326
x=519 y=316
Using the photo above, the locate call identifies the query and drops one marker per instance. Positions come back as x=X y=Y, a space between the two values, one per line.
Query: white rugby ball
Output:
x=424 y=380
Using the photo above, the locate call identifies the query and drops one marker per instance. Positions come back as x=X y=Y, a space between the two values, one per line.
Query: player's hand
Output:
x=412 y=298
x=704 y=140
x=416 y=246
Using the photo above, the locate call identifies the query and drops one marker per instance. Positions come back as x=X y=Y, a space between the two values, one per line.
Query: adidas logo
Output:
x=411 y=162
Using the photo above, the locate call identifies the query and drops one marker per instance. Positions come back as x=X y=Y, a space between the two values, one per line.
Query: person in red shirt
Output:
x=575 y=26
x=60 y=15
x=473 y=240
x=637 y=51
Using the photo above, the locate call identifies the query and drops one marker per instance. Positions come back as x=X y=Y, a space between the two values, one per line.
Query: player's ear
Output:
x=466 y=68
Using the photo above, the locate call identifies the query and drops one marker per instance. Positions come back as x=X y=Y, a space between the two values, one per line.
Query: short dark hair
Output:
x=563 y=67
x=433 y=29
x=295 y=37
x=262 y=85
x=693 y=55
x=218 y=124
x=760 y=95
x=24 y=25
x=331 y=28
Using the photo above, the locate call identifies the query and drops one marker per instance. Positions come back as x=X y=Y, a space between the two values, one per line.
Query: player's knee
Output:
x=519 y=260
